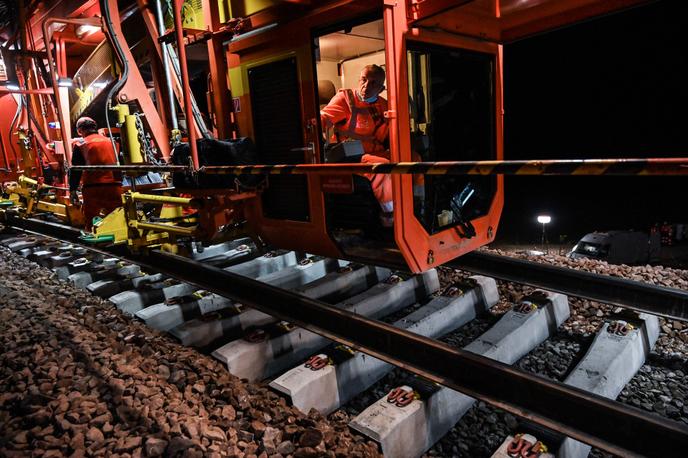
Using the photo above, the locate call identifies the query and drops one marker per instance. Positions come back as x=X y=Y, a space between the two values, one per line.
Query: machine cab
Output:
x=444 y=103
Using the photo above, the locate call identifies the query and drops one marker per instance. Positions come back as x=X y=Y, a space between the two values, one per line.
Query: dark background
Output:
x=612 y=87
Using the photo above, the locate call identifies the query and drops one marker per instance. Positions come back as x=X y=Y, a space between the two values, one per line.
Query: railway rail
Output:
x=574 y=412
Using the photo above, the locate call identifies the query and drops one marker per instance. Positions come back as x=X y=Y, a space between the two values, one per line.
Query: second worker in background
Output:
x=101 y=189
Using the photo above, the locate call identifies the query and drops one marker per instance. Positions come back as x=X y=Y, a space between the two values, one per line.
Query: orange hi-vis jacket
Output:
x=96 y=149
x=101 y=188
x=353 y=118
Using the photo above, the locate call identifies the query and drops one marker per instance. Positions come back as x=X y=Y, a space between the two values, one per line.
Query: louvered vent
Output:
x=274 y=89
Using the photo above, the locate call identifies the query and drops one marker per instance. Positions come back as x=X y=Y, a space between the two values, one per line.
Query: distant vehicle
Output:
x=617 y=247
x=630 y=247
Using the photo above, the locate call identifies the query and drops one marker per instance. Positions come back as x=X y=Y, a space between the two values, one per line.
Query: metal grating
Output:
x=90 y=80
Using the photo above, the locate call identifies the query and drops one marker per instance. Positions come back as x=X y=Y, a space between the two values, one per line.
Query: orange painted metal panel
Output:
x=507 y=20
x=421 y=250
x=522 y=22
x=10 y=157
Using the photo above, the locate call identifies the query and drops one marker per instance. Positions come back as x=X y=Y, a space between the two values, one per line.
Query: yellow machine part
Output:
x=170 y=211
x=192 y=15
x=28 y=153
x=27 y=188
x=127 y=224
x=243 y=8
x=115 y=224
x=130 y=134
x=192 y=11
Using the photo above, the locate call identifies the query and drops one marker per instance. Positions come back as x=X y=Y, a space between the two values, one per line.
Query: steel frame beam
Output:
x=134 y=88
x=589 y=418
x=62 y=106
x=184 y=73
x=221 y=102
x=420 y=10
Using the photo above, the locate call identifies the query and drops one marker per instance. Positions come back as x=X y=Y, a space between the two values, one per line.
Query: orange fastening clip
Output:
x=317 y=362
x=256 y=336
x=402 y=396
x=520 y=447
x=516 y=445
x=345 y=270
x=405 y=399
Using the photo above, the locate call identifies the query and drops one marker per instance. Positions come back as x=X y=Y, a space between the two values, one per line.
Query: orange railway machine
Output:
x=268 y=67
x=443 y=62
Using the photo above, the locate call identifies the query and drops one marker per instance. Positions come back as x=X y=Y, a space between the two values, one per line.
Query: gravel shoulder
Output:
x=78 y=378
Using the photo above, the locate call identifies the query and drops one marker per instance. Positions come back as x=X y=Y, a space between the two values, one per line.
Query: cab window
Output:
x=452 y=118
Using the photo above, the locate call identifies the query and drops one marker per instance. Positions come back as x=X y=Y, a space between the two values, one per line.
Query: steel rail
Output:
x=589 y=418
x=609 y=425
x=645 y=167
x=642 y=297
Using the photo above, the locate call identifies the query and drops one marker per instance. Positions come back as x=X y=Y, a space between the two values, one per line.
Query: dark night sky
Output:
x=612 y=87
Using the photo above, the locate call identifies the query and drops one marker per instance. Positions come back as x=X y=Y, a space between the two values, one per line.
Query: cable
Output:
x=16 y=116
x=43 y=160
x=125 y=70
x=38 y=128
x=174 y=58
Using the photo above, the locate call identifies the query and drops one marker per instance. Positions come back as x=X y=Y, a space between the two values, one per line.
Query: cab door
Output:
x=272 y=85
x=445 y=104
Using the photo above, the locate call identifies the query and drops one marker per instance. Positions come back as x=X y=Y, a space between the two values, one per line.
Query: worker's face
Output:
x=370 y=84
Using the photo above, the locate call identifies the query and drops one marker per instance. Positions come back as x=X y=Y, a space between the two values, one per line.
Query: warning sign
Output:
x=337 y=184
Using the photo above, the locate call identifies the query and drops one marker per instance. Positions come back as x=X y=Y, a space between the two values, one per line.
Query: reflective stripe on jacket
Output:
x=353 y=118
x=97 y=150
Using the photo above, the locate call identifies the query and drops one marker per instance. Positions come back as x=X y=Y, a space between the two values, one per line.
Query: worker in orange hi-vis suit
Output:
x=359 y=114
x=101 y=190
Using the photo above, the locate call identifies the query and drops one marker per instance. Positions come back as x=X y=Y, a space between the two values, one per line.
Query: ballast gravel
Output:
x=78 y=378
x=659 y=387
